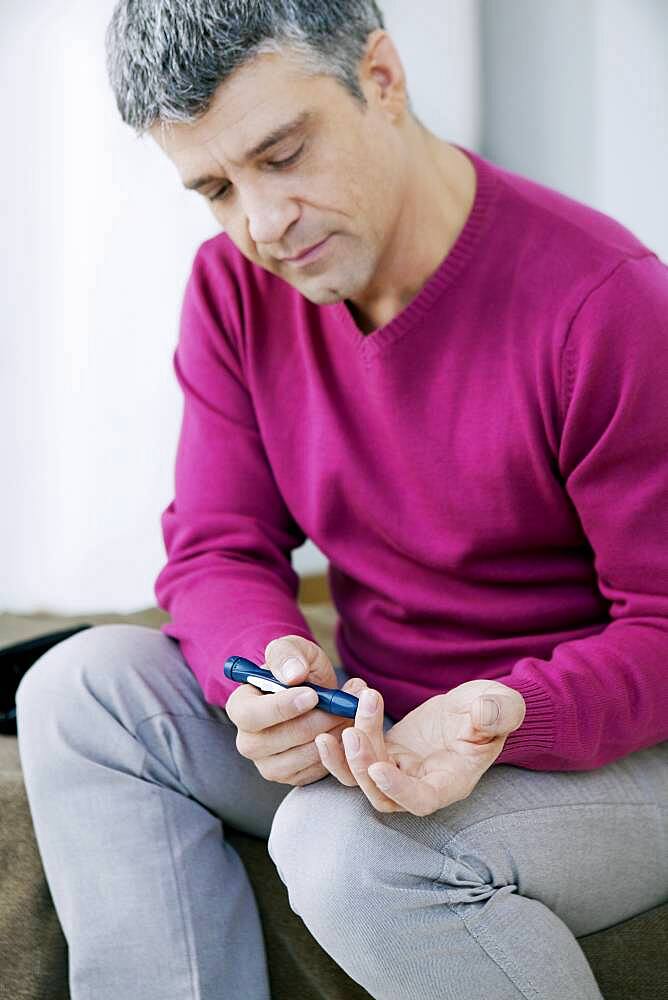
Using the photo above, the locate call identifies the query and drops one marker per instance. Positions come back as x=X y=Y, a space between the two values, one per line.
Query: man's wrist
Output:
x=537 y=733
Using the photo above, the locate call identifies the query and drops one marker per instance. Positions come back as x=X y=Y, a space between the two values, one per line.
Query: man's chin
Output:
x=318 y=292
x=322 y=296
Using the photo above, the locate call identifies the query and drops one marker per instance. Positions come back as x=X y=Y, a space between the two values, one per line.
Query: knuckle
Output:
x=230 y=708
x=308 y=777
x=285 y=708
x=265 y=769
x=294 y=733
x=238 y=705
x=304 y=755
x=247 y=744
x=310 y=756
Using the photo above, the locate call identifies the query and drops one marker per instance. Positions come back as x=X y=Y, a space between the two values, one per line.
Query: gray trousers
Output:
x=131 y=777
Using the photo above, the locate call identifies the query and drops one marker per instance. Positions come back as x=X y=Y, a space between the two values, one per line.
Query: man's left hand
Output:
x=432 y=757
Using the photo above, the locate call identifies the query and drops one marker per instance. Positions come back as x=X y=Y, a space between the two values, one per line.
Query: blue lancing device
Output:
x=331 y=700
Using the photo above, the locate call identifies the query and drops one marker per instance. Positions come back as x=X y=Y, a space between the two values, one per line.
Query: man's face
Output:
x=335 y=175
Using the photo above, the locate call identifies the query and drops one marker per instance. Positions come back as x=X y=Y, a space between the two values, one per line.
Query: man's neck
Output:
x=436 y=209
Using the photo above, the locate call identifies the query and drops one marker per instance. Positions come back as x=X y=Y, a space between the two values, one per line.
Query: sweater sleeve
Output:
x=599 y=698
x=228 y=583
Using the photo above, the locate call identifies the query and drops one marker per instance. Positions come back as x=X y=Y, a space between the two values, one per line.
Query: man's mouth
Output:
x=309 y=254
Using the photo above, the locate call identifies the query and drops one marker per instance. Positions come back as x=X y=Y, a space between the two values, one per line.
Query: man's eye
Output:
x=288 y=161
x=220 y=195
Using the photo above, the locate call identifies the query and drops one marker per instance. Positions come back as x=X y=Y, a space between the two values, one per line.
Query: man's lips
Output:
x=307 y=252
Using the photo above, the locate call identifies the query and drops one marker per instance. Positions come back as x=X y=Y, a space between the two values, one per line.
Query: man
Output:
x=455 y=381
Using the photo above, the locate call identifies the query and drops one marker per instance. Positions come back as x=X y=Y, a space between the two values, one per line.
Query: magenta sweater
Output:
x=487 y=474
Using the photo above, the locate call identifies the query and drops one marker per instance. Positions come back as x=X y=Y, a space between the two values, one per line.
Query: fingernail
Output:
x=368 y=703
x=351 y=741
x=381 y=779
x=489 y=712
x=306 y=699
x=292 y=668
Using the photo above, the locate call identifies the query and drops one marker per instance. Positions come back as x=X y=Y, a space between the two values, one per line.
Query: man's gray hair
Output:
x=166 y=58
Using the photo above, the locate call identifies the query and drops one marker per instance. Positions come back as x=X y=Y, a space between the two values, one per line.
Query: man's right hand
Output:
x=276 y=732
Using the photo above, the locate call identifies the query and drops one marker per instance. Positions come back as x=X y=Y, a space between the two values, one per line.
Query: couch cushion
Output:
x=33 y=951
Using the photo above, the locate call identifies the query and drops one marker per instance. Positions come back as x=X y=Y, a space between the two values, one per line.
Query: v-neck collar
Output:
x=448 y=270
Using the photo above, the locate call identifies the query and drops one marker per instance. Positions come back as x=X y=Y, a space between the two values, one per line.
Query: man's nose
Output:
x=269 y=215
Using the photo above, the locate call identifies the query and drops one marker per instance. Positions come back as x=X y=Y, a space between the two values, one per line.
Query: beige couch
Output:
x=630 y=960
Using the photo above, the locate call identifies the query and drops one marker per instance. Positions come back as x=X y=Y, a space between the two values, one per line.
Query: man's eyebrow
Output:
x=274 y=137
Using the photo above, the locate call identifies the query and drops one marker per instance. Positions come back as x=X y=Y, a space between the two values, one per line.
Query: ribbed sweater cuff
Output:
x=536 y=736
x=251 y=644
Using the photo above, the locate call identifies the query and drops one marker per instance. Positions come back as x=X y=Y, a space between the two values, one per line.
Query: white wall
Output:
x=99 y=242
x=575 y=95
x=631 y=99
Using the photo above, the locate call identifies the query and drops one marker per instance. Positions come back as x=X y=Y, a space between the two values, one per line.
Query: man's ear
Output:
x=382 y=75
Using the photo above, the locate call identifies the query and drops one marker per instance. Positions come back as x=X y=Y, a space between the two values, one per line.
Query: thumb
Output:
x=293 y=659
x=354 y=685
x=498 y=714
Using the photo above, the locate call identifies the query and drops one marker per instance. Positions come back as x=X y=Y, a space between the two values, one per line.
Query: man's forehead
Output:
x=244 y=108
x=240 y=141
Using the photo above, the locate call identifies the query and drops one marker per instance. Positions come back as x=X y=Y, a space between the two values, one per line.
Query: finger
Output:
x=368 y=732
x=252 y=711
x=488 y=710
x=293 y=660
x=369 y=720
x=360 y=755
x=354 y=685
x=330 y=747
x=415 y=795
x=310 y=774
x=488 y=721
x=286 y=660
x=284 y=766
x=285 y=735
x=334 y=759
x=497 y=716
x=278 y=720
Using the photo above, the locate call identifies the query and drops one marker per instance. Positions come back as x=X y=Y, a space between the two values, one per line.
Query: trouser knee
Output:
x=92 y=689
